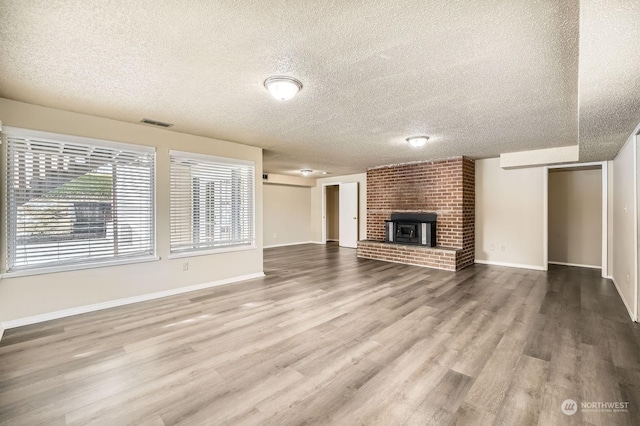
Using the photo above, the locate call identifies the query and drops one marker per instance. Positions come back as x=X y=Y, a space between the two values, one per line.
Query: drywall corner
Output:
x=509 y=221
x=625 y=217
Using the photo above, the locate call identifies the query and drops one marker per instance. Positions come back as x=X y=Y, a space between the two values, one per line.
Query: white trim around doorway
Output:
x=324 y=210
x=605 y=213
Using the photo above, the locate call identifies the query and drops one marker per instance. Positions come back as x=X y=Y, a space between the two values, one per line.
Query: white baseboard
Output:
x=510 y=265
x=294 y=244
x=120 y=302
x=288 y=244
x=577 y=265
x=633 y=317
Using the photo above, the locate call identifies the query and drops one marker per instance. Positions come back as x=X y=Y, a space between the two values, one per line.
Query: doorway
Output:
x=332 y=212
x=340 y=213
x=577 y=216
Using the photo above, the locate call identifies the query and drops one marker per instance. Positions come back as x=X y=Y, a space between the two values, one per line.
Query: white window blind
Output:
x=212 y=202
x=74 y=201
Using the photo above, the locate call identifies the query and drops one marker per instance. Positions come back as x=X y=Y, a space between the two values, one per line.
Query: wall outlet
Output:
x=185 y=266
x=492 y=247
x=503 y=248
x=275 y=235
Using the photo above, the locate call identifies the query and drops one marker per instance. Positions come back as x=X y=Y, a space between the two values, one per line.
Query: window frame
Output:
x=7 y=132
x=217 y=160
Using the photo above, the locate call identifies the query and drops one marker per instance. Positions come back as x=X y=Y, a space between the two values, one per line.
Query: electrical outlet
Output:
x=492 y=247
x=185 y=266
x=503 y=248
x=275 y=235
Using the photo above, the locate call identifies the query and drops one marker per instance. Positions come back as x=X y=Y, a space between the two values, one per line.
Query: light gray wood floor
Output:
x=327 y=338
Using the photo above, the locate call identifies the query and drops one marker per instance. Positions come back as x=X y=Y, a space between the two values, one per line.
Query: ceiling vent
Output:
x=156 y=123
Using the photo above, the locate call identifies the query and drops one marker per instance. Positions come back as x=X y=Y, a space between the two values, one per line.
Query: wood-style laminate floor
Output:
x=327 y=338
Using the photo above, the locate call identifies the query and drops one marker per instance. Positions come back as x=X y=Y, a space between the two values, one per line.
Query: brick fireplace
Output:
x=444 y=187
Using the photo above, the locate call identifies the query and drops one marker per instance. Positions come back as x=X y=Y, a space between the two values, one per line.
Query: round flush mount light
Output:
x=282 y=87
x=417 y=141
x=306 y=172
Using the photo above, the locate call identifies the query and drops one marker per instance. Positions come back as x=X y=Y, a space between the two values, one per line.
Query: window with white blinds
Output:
x=212 y=202
x=74 y=201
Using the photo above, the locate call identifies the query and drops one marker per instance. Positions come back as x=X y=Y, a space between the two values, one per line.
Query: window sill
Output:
x=205 y=252
x=76 y=267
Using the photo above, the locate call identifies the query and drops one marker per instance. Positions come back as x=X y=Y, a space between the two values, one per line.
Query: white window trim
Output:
x=208 y=250
x=213 y=158
x=10 y=131
x=55 y=137
x=76 y=266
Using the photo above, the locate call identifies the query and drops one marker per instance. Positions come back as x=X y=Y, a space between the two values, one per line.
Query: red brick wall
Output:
x=412 y=255
x=468 y=254
x=445 y=187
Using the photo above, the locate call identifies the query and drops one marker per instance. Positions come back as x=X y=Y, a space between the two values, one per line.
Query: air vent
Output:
x=155 y=123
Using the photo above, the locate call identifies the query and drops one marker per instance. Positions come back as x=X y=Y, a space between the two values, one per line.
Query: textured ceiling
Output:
x=481 y=78
x=609 y=76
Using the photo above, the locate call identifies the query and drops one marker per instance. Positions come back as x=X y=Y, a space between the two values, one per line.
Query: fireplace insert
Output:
x=412 y=228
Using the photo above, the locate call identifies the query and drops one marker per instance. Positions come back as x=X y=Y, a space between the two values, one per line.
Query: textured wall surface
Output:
x=445 y=187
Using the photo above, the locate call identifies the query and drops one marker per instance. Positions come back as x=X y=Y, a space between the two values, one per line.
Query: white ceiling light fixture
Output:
x=306 y=172
x=282 y=87
x=417 y=141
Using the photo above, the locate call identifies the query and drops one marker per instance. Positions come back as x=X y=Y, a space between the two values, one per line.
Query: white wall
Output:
x=316 y=203
x=287 y=214
x=624 y=219
x=609 y=217
x=575 y=216
x=41 y=294
x=509 y=214
x=636 y=142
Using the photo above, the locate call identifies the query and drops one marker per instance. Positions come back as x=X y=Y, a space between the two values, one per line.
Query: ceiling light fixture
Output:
x=417 y=141
x=282 y=88
x=306 y=172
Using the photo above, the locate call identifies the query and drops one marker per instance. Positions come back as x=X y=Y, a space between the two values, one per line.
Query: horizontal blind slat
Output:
x=70 y=202
x=212 y=202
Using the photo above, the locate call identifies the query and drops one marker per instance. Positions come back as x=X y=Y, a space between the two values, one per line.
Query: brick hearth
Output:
x=445 y=187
